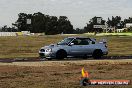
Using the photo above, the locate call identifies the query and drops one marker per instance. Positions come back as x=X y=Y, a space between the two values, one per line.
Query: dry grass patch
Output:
x=28 y=46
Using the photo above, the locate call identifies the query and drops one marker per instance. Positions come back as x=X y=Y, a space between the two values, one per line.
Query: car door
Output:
x=87 y=46
x=81 y=47
x=76 y=49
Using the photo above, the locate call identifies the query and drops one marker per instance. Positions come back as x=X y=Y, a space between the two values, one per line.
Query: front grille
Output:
x=42 y=50
x=41 y=54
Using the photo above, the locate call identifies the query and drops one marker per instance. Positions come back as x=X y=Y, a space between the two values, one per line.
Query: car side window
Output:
x=81 y=42
x=84 y=42
x=75 y=41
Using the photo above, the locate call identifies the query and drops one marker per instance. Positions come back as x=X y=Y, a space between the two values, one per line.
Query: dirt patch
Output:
x=68 y=62
x=62 y=74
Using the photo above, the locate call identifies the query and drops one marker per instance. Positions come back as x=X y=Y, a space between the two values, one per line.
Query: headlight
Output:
x=42 y=50
x=48 y=50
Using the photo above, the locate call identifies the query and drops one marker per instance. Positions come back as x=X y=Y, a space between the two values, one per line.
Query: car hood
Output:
x=50 y=46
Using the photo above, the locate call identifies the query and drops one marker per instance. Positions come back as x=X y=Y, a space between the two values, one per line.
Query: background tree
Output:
x=115 y=22
x=51 y=25
x=21 y=22
x=79 y=31
x=4 y=28
x=94 y=21
x=64 y=25
x=38 y=22
x=129 y=20
x=44 y=23
x=41 y=23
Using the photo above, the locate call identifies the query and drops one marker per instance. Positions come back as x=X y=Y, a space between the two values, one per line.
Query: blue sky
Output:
x=79 y=12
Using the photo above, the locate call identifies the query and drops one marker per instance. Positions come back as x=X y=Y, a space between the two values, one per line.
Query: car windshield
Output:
x=66 y=41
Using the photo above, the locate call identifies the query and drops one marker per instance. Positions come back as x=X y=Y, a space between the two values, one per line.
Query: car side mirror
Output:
x=90 y=42
x=71 y=44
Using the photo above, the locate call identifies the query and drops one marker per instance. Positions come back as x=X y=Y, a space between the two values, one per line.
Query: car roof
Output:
x=78 y=37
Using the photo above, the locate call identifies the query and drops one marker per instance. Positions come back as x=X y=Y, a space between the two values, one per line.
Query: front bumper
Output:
x=105 y=53
x=46 y=55
x=41 y=54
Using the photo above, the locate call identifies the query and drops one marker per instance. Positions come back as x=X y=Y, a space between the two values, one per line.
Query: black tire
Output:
x=61 y=54
x=97 y=54
x=85 y=56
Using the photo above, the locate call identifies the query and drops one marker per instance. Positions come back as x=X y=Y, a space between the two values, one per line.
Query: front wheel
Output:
x=61 y=54
x=49 y=58
x=97 y=54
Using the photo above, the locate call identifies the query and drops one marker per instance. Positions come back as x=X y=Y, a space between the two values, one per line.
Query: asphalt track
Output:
x=37 y=59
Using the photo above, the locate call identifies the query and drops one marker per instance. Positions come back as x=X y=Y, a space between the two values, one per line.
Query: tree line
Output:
x=43 y=23
x=114 y=22
x=50 y=25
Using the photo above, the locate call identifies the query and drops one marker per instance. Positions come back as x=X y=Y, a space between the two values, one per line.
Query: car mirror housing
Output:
x=90 y=42
x=71 y=44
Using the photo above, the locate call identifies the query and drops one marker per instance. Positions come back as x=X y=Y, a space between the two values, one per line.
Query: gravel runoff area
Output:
x=64 y=63
x=63 y=74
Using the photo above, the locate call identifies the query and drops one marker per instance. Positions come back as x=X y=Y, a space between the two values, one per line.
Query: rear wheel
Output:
x=97 y=54
x=61 y=54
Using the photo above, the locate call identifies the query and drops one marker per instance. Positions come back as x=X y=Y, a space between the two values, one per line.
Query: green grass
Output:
x=121 y=34
x=28 y=46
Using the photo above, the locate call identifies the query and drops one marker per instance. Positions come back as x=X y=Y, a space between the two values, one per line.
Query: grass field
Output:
x=28 y=46
x=63 y=74
x=23 y=46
